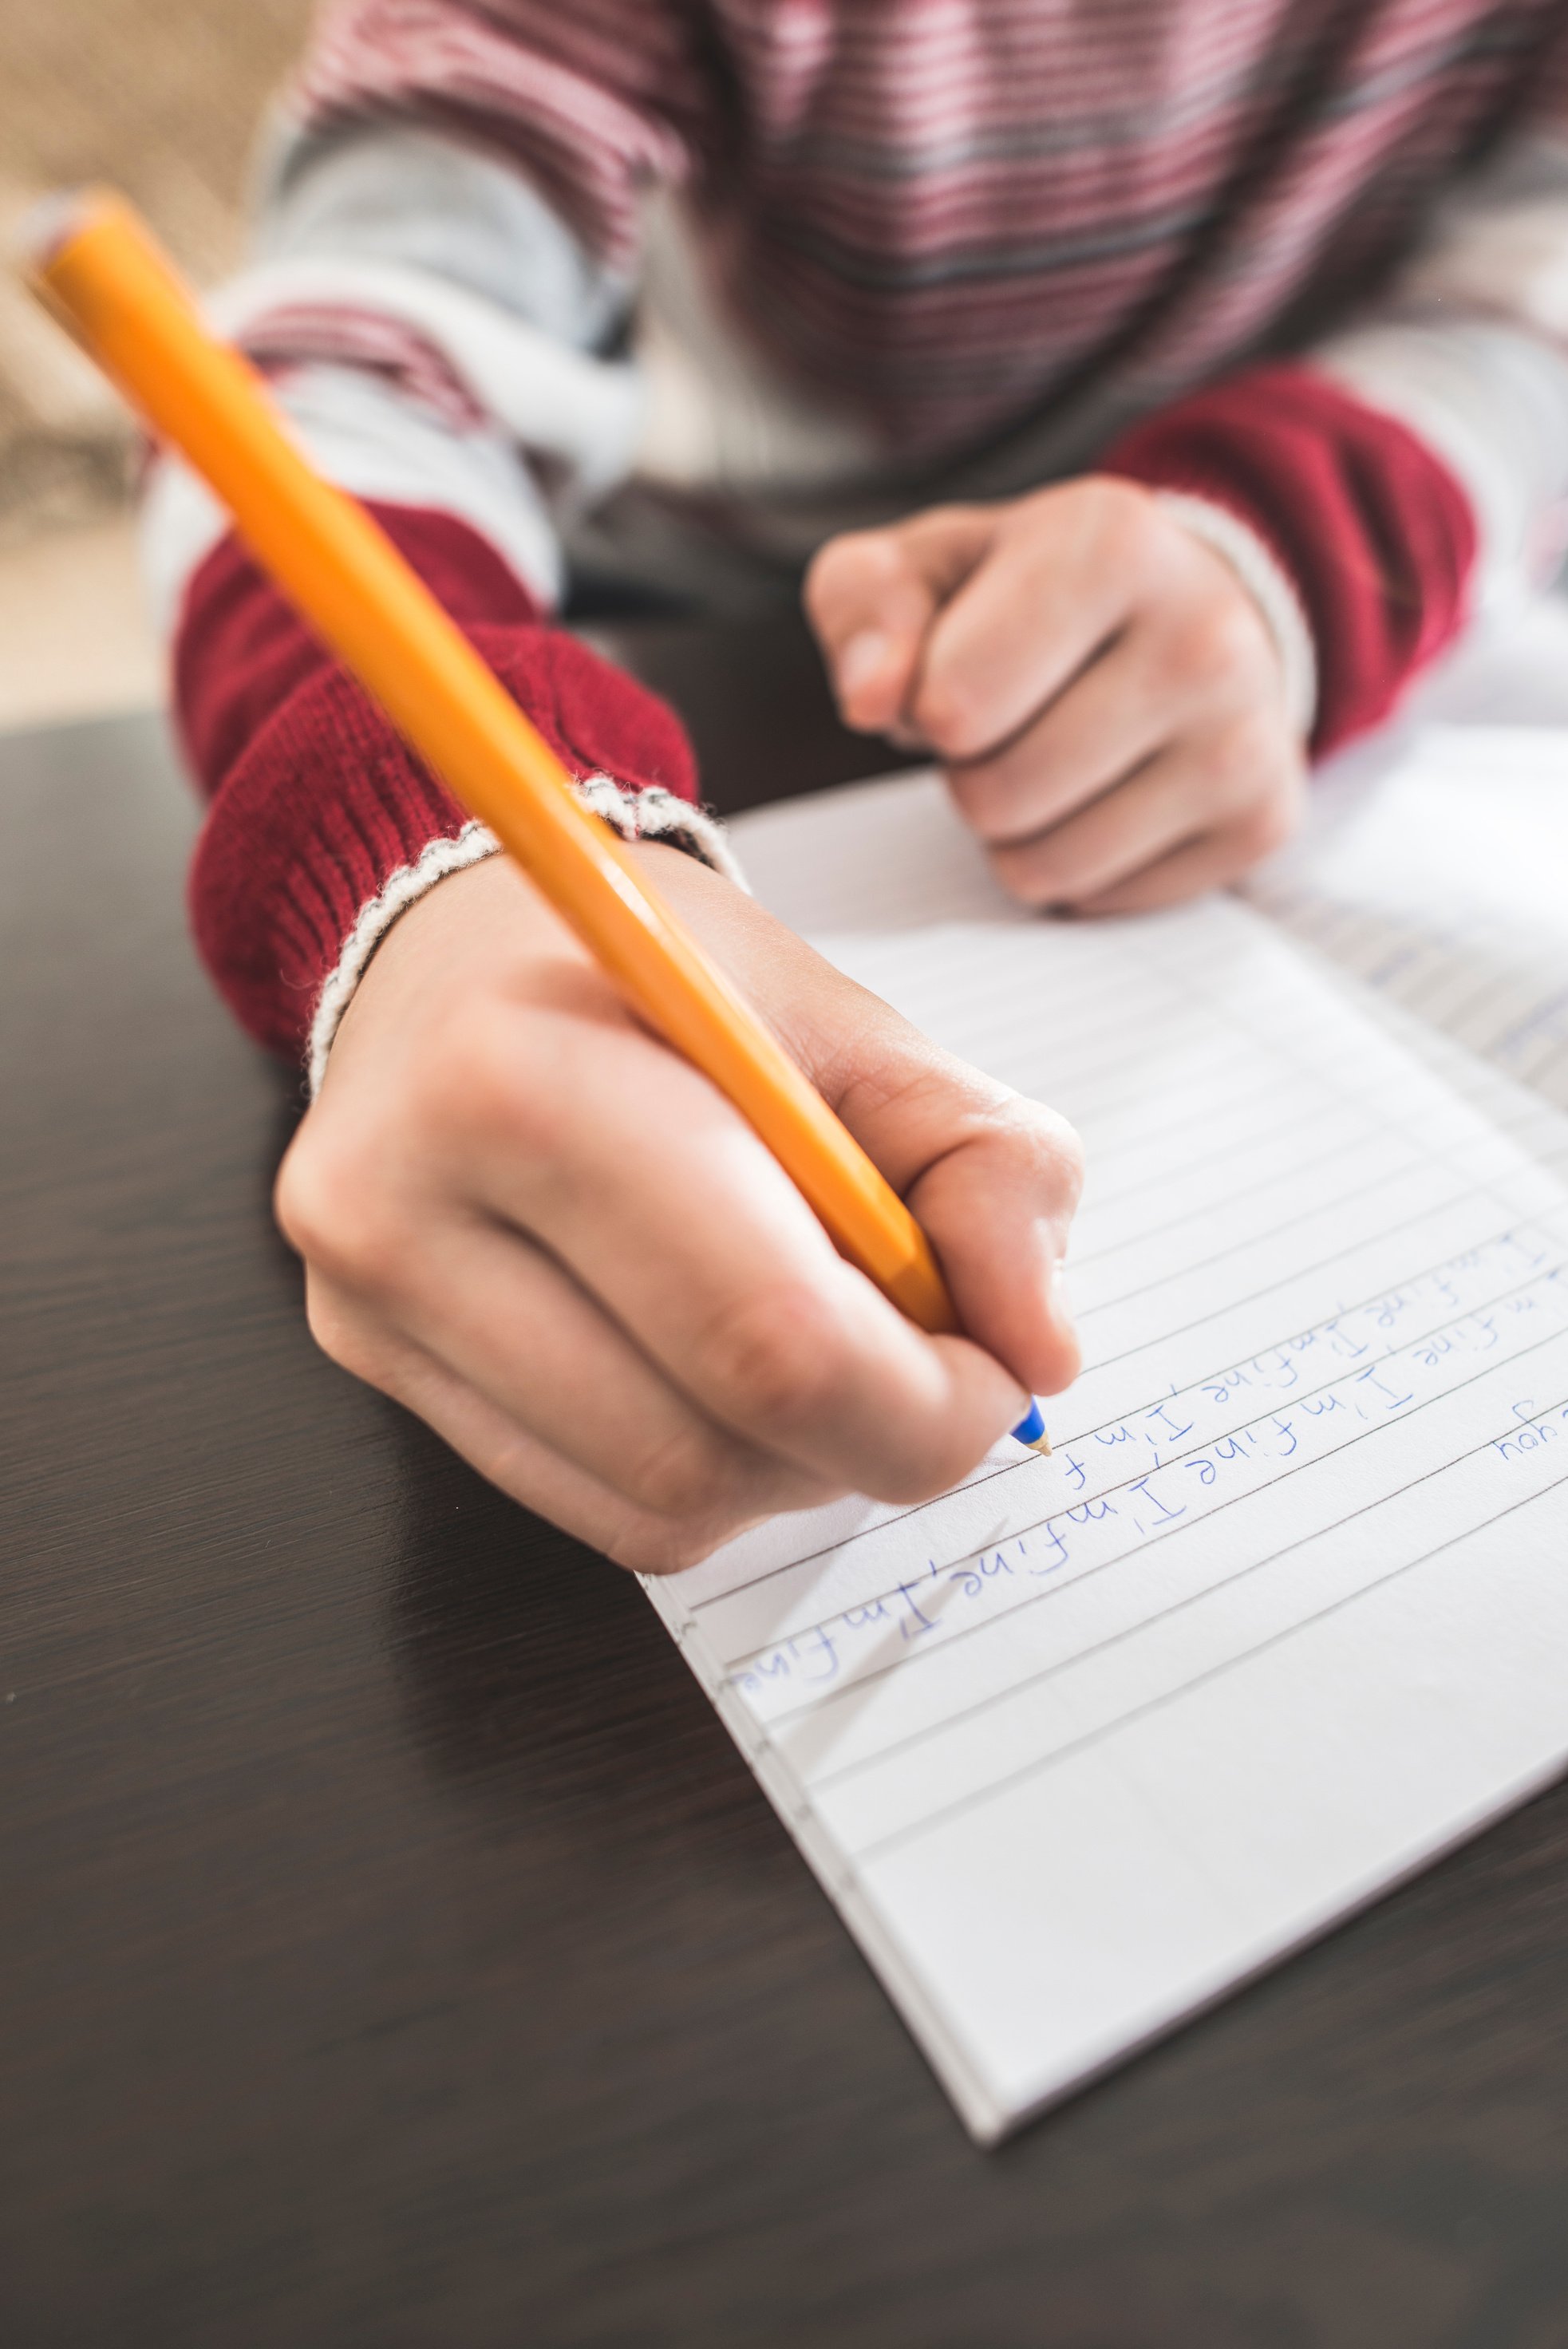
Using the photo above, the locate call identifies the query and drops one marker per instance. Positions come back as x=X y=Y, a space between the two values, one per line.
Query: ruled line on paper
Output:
x=750 y=1670
x=1224 y=1665
x=1091 y=1310
x=1517 y=1018
x=1435 y=879
x=1178 y=1605
x=828 y=1695
x=1021 y=1466
x=1324 y=1291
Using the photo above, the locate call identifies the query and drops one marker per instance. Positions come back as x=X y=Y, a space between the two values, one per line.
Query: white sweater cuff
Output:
x=651 y=814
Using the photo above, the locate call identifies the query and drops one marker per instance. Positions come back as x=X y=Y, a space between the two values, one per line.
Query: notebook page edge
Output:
x=988 y=2115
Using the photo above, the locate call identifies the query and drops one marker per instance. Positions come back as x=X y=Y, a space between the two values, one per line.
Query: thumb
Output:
x=872 y=596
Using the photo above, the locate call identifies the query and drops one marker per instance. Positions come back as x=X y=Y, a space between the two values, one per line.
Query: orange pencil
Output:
x=98 y=269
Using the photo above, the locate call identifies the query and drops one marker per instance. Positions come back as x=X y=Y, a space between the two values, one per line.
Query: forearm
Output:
x=434 y=331
x=1411 y=470
x=323 y=826
x=445 y=388
x=1470 y=354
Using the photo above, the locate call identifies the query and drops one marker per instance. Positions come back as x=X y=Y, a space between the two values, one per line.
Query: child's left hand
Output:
x=1102 y=689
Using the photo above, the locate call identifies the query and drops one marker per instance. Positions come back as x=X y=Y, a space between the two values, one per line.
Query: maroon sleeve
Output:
x=1374 y=532
x=315 y=800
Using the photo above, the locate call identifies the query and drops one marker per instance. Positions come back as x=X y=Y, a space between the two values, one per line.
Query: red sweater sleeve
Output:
x=316 y=802
x=1373 y=530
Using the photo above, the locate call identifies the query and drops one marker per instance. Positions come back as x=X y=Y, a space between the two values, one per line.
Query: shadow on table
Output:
x=536 y=1677
x=540 y=1686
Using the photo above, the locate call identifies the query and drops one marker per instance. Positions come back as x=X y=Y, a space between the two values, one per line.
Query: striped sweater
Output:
x=1304 y=262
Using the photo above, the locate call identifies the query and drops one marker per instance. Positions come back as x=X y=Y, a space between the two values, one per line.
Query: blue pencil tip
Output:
x=1032 y=1430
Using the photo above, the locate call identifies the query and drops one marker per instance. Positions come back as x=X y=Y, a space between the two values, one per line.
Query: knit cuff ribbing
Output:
x=320 y=812
x=1373 y=532
x=652 y=814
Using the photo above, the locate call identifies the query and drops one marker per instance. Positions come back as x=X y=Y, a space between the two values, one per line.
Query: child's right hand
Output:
x=531 y=1222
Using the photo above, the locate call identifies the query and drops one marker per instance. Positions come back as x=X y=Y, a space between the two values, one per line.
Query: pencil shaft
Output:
x=121 y=299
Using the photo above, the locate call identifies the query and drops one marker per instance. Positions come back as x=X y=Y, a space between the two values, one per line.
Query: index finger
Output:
x=993 y=1176
x=1054 y=589
x=661 y=1202
x=872 y=596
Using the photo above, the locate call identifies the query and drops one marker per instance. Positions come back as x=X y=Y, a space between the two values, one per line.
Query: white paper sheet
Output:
x=1088 y=1741
x=1434 y=868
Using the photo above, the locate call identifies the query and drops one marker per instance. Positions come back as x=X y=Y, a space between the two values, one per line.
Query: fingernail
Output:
x=863 y=657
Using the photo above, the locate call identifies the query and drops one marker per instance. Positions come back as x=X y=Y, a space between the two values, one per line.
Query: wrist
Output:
x=320 y=811
x=652 y=815
x=1371 y=529
x=1271 y=588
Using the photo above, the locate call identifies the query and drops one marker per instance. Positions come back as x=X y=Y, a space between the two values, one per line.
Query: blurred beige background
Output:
x=161 y=97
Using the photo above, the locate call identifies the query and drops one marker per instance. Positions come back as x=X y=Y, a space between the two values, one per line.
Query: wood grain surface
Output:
x=394 y=1948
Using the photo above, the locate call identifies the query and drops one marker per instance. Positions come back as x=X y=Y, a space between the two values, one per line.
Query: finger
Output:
x=516 y=1330
x=653 y=1192
x=522 y=1467
x=1212 y=861
x=1110 y=720
x=1063 y=576
x=1187 y=790
x=872 y=596
x=993 y=1178
x=998 y=1209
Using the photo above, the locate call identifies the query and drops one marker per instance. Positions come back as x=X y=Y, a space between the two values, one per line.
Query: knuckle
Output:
x=681 y=1477
x=1027 y=871
x=1221 y=642
x=919 y=1472
x=647 y=1545
x=855 y=559
x=822 y=577
x=1047 y=1150
x=1059 y=1148
x=773 y=1356
x=313 y=1182
x=1122 y=521
x=1016 y=879
x=501 y=1085
x=1271 y=820
x=947 y=711
x=475 y=1078
x=973 y=792
x=996 y=800
x=300 y=1203
x=340 y=1332
x=1232 y=762
x=909 y=1485
x=333 y=1207
x=1243 y=761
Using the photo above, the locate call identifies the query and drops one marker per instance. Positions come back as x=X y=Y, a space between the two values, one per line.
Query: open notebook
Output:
x=1434 y=868
x=1088 y=1741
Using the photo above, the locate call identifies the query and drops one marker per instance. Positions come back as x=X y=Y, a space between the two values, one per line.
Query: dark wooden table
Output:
x=394 y=1951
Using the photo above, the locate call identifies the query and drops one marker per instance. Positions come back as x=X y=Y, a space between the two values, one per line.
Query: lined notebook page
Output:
x=1088 y=1741
x=1436 y=870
